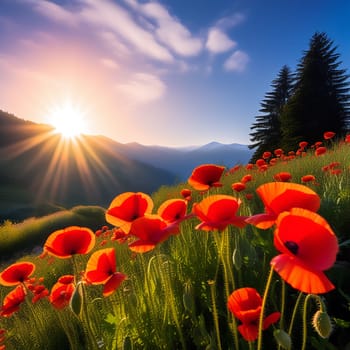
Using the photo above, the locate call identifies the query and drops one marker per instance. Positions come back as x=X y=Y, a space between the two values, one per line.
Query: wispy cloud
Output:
x=112 y=17
x=237 y=62
x=109 y=63
x=218 y=41
x=168 y=29
x=142 y=87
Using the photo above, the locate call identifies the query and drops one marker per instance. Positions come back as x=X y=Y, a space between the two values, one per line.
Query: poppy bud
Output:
x=76 y=300
x=322 y=324
x=283 y=339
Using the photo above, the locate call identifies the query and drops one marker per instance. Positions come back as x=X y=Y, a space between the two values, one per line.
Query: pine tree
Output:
x=266 y=133
x=320 y=101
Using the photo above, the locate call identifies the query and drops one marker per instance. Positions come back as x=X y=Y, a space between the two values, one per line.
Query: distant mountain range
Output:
x=39 y=173
x=181 y=161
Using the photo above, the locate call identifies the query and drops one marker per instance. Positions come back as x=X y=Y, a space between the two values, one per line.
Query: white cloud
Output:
x=108 y=15
x=218 y=41
x=142 y=88
x=169 y=30
x=237 y=62
x=230 y=21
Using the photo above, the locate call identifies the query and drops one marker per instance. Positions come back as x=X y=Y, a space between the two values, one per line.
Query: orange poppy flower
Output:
x=62 y=291
x=320 y=150
x=16 y=273
x=69 y=241
x=206 y=176
x=101 y=269
x=150 y=230
x=308 y=178
x=282 y=196
x=173 y=210
x=12 y=301
x=238 y=186
x=245 y=304
x=217 y=212
x=328 y=135
x=283 y=176
x=127 y=207
x=308 y=246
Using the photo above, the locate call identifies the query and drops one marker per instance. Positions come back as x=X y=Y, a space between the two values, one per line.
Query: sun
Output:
x=68 y=120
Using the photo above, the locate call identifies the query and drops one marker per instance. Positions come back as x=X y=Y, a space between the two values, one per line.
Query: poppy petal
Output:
x=249 y=331
x=127 y=207
x=113 y=283
x=172 y=210
x=101 y=266
x=311 y=236
x=205 y=176
x=69 y=241
x=16 y=273
x=305 y=280
x=271 y=319
x=140 y=246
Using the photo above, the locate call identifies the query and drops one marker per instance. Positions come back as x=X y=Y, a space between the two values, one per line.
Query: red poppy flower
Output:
x=69 y=241
x=245 y=304
x=336 y=171
x=347 y=138
x=282 y=196
x=328 y=135
x=278 y=152
x=303 y=144
x=127 y=207
x=260 y=162
x=186 y=194
x=308 y=246
x=205 y=176
x=249 y=166
x=266 y=155
x=238 y=186
x=217 y=212
x=12 y=301
x=61 y=294
x=150 y=230
x=101 y=269
x=308 y=178
x=320 y=150
x=119 y=235
x=173 y=210
x=39 y=292
x=283 y=176
x=16 y=273
x=246 y=178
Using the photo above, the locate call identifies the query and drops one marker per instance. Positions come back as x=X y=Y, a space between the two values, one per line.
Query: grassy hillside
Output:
x=175 y=296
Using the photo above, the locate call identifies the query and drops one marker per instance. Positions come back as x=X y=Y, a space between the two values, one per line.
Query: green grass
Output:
x=175 y=296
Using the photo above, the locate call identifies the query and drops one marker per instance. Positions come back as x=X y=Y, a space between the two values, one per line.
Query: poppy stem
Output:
x=294 y=313
x=304 y=321
x=215 y=313
x=261 y=318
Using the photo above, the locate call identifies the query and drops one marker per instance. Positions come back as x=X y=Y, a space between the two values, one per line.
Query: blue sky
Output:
x=169 y=72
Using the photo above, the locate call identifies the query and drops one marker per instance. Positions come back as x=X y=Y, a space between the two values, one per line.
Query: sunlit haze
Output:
x=167 y=72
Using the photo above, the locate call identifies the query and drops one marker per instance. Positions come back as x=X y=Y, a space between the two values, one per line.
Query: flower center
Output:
x=292 y=247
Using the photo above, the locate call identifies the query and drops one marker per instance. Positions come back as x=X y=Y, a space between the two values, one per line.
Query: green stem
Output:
x=261 y=318
x=304 y=321
x=215 y=313
x=283 y=305
x=294 y=313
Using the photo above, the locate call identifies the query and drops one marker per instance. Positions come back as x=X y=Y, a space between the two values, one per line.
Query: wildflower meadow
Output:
x=251 y=257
